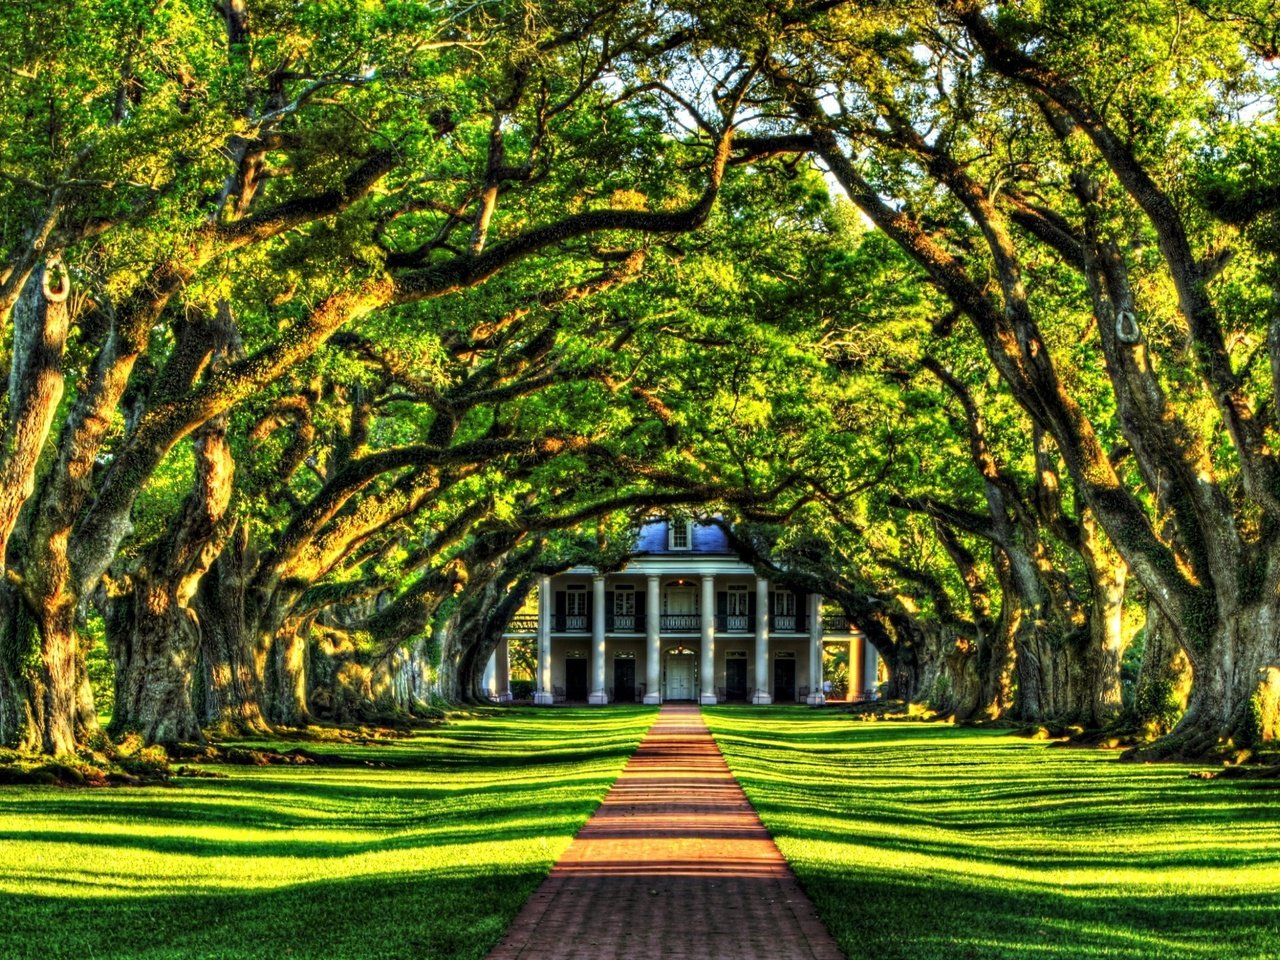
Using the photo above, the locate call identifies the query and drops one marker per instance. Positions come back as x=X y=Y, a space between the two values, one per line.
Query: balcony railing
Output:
x=523 y=625
x=788 y=623
x=680 y=623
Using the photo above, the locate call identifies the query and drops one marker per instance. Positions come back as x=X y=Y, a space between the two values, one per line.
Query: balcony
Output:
x=680 y=622
x=788 y=623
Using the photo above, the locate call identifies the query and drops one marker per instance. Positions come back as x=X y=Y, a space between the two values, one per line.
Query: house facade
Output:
x=685 y=619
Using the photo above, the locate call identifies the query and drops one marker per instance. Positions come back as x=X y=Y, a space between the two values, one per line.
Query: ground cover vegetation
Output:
x=330 y=328
x=932 y=841
x=424 y=845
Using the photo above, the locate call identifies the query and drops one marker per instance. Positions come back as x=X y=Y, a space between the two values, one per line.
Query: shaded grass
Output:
x=924 y=841
x=429 y=851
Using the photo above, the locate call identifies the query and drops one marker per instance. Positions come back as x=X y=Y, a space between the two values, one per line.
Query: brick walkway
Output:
x=674 y=864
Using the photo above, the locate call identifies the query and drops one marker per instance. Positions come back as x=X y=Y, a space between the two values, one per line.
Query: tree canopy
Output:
x=331 y=327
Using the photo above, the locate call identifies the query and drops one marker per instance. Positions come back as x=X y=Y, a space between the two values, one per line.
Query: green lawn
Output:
x=427 y=854
x=924 y=841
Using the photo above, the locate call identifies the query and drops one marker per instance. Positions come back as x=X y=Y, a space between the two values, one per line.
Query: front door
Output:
x=679 y=678
x=624 y=681
x=735 y=679
x=784 y=681
x=575 y=679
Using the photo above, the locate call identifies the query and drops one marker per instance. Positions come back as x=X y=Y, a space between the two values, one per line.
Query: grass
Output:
x=424 y=847
x=925 y=841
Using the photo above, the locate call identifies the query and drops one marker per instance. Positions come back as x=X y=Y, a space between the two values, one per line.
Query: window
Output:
x=738 y=610
x=679 y=535
x=575 y=607
x=624 y=608
x=784 y=611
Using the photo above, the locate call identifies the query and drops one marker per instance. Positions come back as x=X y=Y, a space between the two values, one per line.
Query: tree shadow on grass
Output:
x=892 y=916
x=934 y=843
x=458 y=916
x=485 y=802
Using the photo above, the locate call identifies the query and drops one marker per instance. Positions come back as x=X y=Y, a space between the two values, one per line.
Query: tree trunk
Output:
x=35 y=389
x=1164 y=678
x=156 y=635
x=154 y=643
x=41 y=674
x=42 y=680
x=1107 y=583
x=1234 y=697
x=289 y=662
x=233 y=658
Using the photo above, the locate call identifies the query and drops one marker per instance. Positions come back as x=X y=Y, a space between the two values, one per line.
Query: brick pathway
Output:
x=674 y=864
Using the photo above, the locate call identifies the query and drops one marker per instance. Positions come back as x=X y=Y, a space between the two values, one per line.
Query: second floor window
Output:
x=624 y=603
x=576 y=603
x=679 y=535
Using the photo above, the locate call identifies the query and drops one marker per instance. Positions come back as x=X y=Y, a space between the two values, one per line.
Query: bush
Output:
x=522 y=689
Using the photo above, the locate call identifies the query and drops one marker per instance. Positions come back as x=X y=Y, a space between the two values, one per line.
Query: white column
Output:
x=488 y=681
x=708 y=669
x=763 y=680
x=598 y=693
x=816 y=697
x=653 y=640
x=543 y=695
x=870 y=664
x=856 y=670
x=502 y=671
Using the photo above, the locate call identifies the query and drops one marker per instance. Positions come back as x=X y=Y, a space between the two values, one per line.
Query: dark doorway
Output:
x=575 y=679
x=784 y=681
x=624 y=681
x=735 y=679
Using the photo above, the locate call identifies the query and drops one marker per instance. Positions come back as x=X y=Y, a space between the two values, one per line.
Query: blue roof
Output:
x=706 y=538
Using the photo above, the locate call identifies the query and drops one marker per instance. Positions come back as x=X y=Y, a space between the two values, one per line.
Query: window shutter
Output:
x=560 y=605
x=751 y=606
x=610 y=607
x=722 y=603
x=641 y=599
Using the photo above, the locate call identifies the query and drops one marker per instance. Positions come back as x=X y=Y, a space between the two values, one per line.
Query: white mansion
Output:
x=685 y=619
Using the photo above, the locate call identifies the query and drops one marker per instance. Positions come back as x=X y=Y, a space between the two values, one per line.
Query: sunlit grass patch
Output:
x=926 y=841
x=428 y=851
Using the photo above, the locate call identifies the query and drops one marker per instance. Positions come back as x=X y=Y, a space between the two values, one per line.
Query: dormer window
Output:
x=678 y=536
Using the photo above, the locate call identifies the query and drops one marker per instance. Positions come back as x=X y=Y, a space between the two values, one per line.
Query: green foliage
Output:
x=100 y=667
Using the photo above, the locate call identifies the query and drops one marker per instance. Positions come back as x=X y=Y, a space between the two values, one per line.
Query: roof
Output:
x=705 y=539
